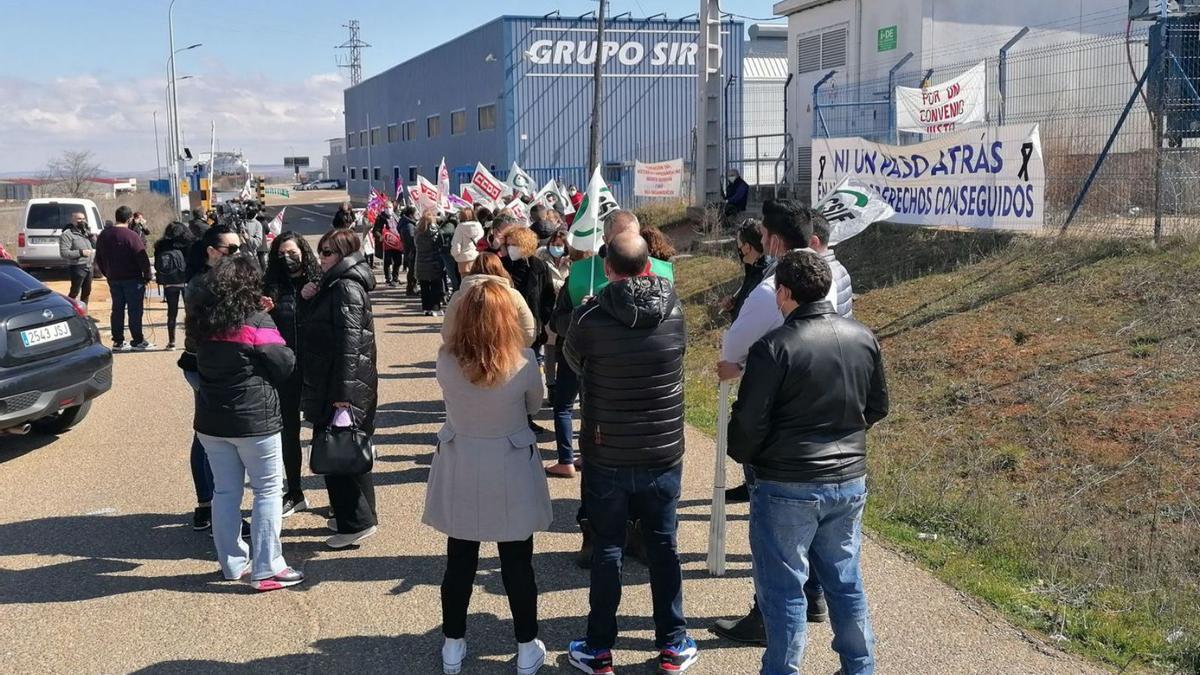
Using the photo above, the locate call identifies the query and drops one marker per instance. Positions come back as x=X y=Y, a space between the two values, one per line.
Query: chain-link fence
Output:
x=1083 y=94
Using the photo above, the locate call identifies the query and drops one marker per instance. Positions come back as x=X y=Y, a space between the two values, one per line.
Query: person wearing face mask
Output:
x=737 y=193
x=786 y=226
x=750 y=253
x=291 y=266
x=77 y=246
x=218 y=242
x=531 y=277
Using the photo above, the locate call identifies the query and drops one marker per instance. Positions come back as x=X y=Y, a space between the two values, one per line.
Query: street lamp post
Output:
x=174 y=103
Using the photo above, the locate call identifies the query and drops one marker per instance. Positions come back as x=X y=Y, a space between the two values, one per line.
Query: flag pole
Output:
x=716 y=523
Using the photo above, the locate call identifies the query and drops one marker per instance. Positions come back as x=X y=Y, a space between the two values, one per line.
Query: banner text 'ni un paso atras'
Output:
x=987 y=178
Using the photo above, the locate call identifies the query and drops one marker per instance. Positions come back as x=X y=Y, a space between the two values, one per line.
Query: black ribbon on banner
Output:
x=1026 y=153
x=821 y=162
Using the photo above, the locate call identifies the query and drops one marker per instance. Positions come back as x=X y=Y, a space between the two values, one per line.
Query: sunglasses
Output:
x=229 y=249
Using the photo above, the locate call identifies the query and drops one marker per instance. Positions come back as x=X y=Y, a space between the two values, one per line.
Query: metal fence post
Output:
x=893 y=133
x=817 y=101
x=1002 y=72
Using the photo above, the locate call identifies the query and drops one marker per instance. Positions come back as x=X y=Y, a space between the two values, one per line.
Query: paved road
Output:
x=100 y=572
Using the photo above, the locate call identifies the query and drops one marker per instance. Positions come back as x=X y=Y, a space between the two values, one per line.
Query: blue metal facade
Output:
x=537 y=72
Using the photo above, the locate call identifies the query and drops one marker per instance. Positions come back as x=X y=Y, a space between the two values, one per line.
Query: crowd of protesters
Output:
x=277 y=332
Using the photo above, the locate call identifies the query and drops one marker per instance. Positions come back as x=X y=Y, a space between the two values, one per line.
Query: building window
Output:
x=376 y=174
x=364 y=173
x=350 y=140
x=822 y=50
x=393 y=133
x=458 y=122
x=433 y=126
x=487 y=117
x=362 y=139
x=395 y=175
x=376 y=136
x=343 y=169
x=412 y=175
x=409 y=130
x=353 y=174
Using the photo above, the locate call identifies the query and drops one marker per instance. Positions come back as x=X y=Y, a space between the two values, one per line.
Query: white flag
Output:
x=587 y=231
x=563 y=197
x=488 y=184
x=851 y=207
x=520 y=182
x=443 y=184
x=519 y=210
x=276 y=224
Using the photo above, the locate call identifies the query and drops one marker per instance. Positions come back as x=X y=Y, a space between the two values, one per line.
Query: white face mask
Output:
x=515 y=253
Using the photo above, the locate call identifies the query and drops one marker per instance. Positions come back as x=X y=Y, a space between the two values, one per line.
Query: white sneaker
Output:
x=346 y=540
x=454 y=652
x=531 y=656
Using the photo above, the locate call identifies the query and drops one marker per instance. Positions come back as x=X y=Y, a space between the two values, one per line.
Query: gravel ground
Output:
x=100 y=572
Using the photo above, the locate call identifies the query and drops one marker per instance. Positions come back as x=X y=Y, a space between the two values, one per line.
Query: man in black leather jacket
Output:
x=810 y=391
x=627 y=345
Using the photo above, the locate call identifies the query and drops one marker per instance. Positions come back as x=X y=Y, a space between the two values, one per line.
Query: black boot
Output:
x=746 y=630
x=817 y=611
x=584 y=558
x=737 y=495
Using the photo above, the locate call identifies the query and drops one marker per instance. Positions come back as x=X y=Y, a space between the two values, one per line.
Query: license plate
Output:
x=51 y=333
x=42 y=241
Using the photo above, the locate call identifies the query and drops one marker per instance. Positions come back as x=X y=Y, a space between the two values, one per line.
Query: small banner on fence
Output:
x=658 y=179
x=944 y=107
x=851 y=208
x=990 y=178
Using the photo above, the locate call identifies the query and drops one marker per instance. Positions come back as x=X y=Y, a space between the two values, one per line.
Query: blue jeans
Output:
x=791 y=526
x=202 y=476
x=812 y=587
x=451 y=270
x=232 y=459
x=131 y=295
x=616 y=496
x=566 y=390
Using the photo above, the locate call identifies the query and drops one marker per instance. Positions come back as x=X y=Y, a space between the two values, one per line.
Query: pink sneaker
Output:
x=282 y=579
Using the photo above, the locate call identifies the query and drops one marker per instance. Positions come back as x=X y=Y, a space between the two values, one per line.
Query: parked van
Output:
x=45 y=219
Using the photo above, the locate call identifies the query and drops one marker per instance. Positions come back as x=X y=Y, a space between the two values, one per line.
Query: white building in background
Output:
x=764 y=95
x=863 y=39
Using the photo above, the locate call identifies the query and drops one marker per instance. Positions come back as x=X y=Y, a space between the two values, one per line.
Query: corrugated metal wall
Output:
x=463 y=74
x=649 y=95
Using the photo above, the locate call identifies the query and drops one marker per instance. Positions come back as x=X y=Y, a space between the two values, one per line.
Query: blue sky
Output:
x=266 y=72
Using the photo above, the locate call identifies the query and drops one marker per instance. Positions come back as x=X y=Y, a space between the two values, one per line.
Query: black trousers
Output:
x=293 y=452
x=516 y=570
x=353 y=502
x=410 y=264
x=391 y=265
x=431 y=295
x=81 y=283
x=172 y=295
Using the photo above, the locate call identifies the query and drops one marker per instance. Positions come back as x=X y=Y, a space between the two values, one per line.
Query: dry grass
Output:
x=1046 y=424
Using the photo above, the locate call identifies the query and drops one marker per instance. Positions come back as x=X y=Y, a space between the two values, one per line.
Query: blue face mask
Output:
x=556 y=251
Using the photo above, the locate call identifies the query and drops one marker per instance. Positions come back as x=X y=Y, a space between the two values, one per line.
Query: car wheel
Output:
x=63 y=419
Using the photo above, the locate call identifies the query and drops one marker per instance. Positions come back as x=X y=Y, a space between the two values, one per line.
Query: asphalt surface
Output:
x=100 y=571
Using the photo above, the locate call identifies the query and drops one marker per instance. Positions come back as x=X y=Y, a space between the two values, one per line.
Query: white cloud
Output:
x=265 y=118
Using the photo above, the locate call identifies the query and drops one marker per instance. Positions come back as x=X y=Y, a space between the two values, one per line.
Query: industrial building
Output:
x=519 y=89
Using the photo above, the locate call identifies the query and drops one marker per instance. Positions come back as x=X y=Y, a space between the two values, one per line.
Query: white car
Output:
x=45 y=219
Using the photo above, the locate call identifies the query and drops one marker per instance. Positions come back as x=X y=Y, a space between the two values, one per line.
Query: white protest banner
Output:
x=520 y=182
x=564 y=198
x=428 y=194
x=587 y=230
x=443 y=184
x=276 y=224
x=488 y=184
x=658 y=179
x=414 y=194
x=851 y=208
x=944 y=107
x=988 y=178
x=518 y=209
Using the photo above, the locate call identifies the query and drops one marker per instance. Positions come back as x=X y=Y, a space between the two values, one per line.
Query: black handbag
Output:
x=341 y=451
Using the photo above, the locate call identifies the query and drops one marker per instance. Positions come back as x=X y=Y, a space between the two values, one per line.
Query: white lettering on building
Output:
x=583 y=53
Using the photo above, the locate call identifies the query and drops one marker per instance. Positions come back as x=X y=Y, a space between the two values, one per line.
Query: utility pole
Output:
x=355 y=45
x=709 y=141
x=597 y=92
x=157 y=156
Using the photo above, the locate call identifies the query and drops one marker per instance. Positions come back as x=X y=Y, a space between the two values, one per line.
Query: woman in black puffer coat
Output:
x=340 y=371
x=430 y=267
x=290 y=266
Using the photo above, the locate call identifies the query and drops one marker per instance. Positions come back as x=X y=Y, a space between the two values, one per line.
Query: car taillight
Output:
x=80 y=308
x=21 y=240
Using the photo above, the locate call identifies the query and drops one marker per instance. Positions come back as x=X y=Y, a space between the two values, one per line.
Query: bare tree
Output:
x=73 y=172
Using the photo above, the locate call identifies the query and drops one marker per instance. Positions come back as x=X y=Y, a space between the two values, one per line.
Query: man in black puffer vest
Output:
x=627 y=345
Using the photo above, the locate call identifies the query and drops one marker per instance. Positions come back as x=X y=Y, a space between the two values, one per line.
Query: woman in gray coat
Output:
x=486 y=482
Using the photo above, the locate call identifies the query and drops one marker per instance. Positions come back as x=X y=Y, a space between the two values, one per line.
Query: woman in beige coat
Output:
x=486 y=482
x=487 y=267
